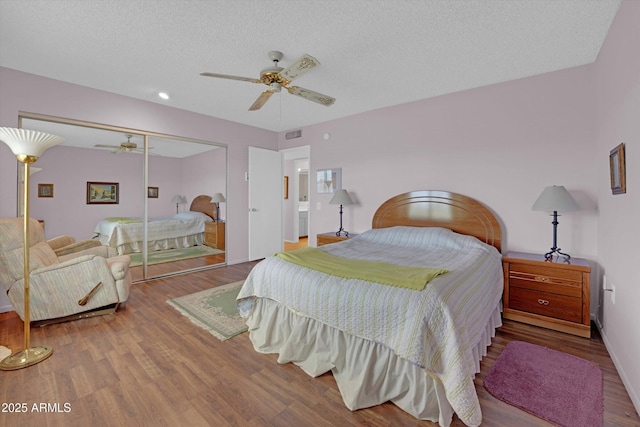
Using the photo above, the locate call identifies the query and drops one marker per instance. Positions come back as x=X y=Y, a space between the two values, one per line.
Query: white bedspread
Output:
x=436 y=329
x=118 y=232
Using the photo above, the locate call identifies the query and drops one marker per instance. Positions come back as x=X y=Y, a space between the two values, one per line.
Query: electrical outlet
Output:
x=317 y=207
x=613 y=294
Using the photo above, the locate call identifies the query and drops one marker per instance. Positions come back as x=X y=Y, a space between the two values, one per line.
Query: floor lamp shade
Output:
x=28 y=146
x=553 y=199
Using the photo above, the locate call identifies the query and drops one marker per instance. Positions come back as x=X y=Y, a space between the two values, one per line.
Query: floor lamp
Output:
x=27 y=145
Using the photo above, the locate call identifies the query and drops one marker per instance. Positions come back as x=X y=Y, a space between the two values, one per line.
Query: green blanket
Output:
x=123 y=219
x=415 y=278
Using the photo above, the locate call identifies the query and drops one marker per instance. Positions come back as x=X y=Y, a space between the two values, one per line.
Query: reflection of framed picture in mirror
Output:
x=101 y=193
x=152 y=192
x=328 y=180
x=617 y=170
x=45 y=190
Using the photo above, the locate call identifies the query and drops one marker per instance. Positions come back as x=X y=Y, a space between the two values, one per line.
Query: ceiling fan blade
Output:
x=298 y=68
x=106 y=146
x=226 y=76
x=262 y=99
x=311 y=95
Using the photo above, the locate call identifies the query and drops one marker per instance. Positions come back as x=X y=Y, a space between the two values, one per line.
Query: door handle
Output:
x=253 y=210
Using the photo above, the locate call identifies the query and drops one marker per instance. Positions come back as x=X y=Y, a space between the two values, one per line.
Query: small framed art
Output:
x=152 y=192
x=617 y=170
x=45 y=190
x=286 y=187
x=328 y=180
x=102 y=193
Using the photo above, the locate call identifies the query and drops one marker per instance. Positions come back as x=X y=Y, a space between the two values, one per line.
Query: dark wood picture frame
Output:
x=152 y=192
x=45 y=190
x=103 y=193
x=617 y=170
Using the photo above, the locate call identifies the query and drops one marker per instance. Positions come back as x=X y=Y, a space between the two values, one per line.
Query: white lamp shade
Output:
x=218 y=197
x=179 y=199
x=341 y=197
x=555 y=198
x=24 y=142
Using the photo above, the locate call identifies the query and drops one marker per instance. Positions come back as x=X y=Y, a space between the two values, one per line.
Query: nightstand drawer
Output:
x=546 y=304
x=563 y=282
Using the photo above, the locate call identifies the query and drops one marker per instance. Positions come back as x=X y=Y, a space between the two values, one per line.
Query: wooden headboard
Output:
x=429 y=208
x=205 y=205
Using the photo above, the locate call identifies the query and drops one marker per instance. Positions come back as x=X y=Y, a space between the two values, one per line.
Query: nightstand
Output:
x=328 y=238
x=214 y=234
x=551 y=294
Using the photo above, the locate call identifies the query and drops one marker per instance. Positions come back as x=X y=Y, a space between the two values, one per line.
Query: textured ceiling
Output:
x=373 y=53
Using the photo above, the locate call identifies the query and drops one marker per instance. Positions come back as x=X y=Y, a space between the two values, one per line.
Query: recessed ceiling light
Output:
x=163 y=95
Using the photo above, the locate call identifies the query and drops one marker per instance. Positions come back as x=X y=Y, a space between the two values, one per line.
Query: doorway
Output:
x=296 y=207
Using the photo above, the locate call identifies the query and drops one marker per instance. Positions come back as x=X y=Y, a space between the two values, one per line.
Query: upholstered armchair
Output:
x=61 y=282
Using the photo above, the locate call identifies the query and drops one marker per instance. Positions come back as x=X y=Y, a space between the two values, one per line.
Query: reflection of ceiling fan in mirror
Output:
x=125 y=147
x=277 y=78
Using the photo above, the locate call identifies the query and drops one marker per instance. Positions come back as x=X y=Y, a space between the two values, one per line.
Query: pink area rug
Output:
x=555 y=386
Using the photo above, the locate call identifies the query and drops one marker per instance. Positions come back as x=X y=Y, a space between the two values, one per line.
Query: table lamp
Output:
x=341 y=197
x=554 y=199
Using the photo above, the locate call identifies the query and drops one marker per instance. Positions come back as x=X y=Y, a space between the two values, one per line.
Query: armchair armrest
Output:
x=76 y=247
x=60 y=242
x=99 y=250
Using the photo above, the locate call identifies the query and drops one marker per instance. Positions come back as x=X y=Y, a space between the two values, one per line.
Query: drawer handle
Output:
x=543 y=302
x=542 y=279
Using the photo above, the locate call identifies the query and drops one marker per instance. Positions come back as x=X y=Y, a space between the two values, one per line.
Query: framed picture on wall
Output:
x=328 y=180
x=45 y=190
x=286 y=187
x=152 y=192
x=102 y=193
x=617 y=170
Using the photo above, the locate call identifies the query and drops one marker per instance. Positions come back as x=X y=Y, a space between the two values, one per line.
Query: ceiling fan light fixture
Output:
x=163 y=95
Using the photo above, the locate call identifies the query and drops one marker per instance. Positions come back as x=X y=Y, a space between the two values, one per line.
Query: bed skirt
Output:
x=367 y=373
x=164 y=244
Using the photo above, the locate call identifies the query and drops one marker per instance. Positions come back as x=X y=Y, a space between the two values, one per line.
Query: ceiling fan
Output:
x=277 y=78
x=125 y=147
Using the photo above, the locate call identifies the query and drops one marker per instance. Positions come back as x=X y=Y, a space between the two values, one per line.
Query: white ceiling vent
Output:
x=293 y=134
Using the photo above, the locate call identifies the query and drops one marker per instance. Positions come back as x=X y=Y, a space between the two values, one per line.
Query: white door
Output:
x=265 y=203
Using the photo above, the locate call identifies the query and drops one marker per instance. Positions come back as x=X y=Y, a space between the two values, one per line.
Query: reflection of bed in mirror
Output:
x=182 y=230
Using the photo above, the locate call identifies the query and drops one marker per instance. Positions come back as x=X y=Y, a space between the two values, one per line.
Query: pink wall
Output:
x=617 y=83
x=31 y=93
x=500 y=144
x=69 y=169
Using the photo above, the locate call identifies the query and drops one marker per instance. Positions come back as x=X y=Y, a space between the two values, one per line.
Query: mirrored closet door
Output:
x=158 y=198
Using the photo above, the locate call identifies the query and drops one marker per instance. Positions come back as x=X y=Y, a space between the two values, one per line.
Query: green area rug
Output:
x=214 y=310
x=159 y=257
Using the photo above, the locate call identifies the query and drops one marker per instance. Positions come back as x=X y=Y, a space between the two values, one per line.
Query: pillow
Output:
x=193 y=215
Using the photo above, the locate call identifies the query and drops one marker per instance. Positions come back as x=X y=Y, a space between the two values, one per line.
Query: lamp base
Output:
x=341 y=232
x=549 y=255
x=27 y=357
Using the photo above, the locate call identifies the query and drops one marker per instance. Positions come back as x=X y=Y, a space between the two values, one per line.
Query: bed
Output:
x=182 y=230
x=419 y=349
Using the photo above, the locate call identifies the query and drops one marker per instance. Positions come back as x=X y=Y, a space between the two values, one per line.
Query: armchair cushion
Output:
x=40 y=255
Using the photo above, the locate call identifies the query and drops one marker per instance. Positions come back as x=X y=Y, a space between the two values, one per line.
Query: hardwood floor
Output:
x=303 y=242
x=148 y=365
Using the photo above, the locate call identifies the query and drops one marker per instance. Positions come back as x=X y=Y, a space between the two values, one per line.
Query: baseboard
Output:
x=633 y=394
x=6 y=308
